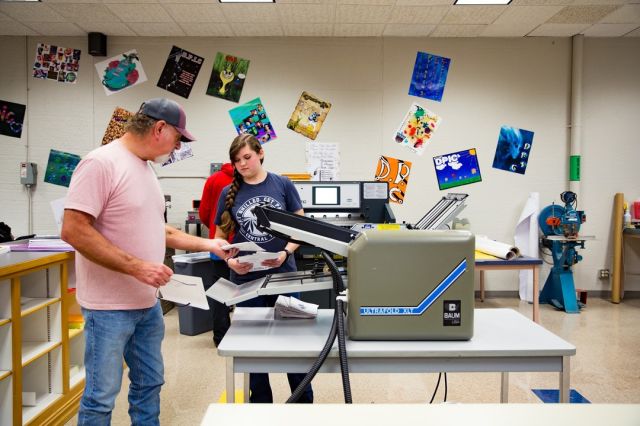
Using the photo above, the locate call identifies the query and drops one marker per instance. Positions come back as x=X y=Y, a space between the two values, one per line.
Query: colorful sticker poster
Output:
x=396 y=172
x=11 y=118
x=180 y=72
x=121 y=72
x=429 y=76
x=252 y=118
x=227 y=77
x=56 y=63
x=180 y=154
x=457 y=169
x=309 y=115
x=416 y=128
x=60 y=167
x=512 y=152
x=115 y=128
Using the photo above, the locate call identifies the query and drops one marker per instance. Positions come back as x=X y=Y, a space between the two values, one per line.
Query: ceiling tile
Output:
x=358 y=30
x=108 y=28
x=506 y=30
x=14 y=28
x=314 y=13
x=258 y=13
x=257 y=30
x=152 y=13
x=127 y=1
x=359 y=14
x=418 y=14
x=71 y=1
x=407 y=30
x=195 y=12
x=634 y=33
x=542 y=2
x=459 y=15
x=582 y=14
x=157 y=29
x=558 y=30
x=458 y=31
x=5 y=18
x=602 y=2
x=368 y=2
x=183 y=1
x=307 y=1
x=30 y=12
x=609 y=30
x=424 y=2
x=308 y=30
x=530 y=16
x=207 y=29
x=627 y=14
x=57 y=28
x=85 y=12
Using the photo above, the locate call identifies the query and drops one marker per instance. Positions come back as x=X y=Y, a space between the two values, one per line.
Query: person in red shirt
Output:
x=208 y=204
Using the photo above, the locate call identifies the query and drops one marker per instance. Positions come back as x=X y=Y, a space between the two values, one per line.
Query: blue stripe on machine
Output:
x=425 y=304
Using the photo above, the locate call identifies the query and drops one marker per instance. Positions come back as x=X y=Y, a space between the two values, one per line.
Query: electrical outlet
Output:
x=603 y=274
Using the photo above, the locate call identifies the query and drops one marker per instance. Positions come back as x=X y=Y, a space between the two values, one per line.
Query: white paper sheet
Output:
x=244 y=246
x=496 y=248
x=526 y=238
x=257 y=258
x=185 y=290
x=323 y=161
x=57 y=206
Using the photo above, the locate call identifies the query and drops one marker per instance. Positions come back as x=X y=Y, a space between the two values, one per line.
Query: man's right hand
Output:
x=153 y=274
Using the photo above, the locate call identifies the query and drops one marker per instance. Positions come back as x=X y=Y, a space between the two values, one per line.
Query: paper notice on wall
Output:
x=526 y=238
x=57 y=206
x=323 y=161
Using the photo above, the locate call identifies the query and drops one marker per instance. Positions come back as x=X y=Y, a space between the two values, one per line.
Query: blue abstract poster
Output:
x=457 y=169
x=429 y=76
x=512 y=152
x=60 y=167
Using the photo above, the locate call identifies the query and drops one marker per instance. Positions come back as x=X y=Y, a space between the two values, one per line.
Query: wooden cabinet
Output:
x=41 y=372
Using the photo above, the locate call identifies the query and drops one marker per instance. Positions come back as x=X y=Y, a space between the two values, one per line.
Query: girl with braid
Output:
x=253 y=185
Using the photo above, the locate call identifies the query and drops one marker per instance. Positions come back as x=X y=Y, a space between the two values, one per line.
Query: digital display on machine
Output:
x=326 y=195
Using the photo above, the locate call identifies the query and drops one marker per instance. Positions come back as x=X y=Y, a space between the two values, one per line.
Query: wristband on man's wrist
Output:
x=289 y=254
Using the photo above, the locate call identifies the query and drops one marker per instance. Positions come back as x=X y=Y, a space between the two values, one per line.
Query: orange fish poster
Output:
x=417 y=128
x=396 y=172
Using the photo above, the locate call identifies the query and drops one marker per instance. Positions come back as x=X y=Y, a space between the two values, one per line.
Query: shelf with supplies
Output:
x=39 y=383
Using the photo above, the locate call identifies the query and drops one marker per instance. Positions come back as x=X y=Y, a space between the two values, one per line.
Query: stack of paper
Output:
x=290 y=307
x=46 y=244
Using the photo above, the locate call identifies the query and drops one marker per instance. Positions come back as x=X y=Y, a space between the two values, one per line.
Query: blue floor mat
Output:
x=553 y=395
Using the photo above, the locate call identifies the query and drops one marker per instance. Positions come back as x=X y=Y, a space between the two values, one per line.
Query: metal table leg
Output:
x=245 y=387
x=504 y=388
x=564 y=380
x=231 y=385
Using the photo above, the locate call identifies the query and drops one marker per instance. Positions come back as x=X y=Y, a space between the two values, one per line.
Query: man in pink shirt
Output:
x=114 y=218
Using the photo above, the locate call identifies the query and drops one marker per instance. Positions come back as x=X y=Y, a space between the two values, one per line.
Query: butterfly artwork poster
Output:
x=116 y=126
x=309 y=115
x=252 y=118
x=180 y=72
x=396 y=172
x=429 y=76
x=513 y=150
x=227 y=77
x=417 y=127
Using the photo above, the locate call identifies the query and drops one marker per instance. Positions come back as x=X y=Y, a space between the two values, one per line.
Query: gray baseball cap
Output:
x=169 y=111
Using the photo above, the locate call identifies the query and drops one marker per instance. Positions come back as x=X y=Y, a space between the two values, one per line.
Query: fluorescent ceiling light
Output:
x=482 y=2
x=247 y=1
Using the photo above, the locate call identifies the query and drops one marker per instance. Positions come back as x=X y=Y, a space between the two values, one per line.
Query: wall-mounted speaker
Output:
x=97 y=44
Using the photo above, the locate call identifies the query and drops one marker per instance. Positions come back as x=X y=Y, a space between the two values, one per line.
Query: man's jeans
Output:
x=137 y=336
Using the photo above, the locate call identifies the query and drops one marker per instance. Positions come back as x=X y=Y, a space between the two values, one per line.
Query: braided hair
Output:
x=227 y=224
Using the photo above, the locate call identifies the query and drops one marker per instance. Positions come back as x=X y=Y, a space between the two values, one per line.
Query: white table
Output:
x=504 y=341
x=420 y=414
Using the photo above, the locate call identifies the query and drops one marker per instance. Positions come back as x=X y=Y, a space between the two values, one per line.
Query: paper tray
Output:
x=226 y=292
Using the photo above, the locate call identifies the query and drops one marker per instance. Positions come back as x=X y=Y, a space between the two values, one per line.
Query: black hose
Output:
x=342 y=352
x=336 y=328
x=318 y=362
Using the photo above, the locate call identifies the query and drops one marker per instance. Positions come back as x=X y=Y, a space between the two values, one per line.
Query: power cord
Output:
x=438 y=385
